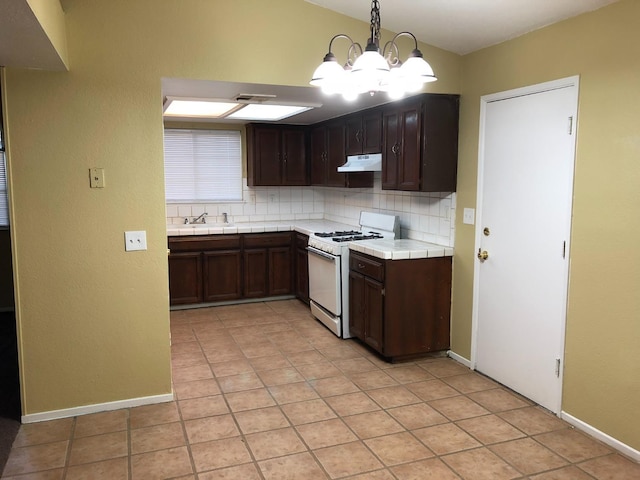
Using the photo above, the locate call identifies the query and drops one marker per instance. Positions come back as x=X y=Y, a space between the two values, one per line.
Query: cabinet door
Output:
x=335 y=154
x=390 y=149
x=294 y=158
x=255 y=272
x=354 y=135
x=410 y=159
x=356 y=305
x=318 y=156
x=372 y=128
x=266 y=156
x=222 y=275
x=440 y=143
x=280 y=271
x=374 y=314
x=301 y=277
x=363 y=133
x=185 y=278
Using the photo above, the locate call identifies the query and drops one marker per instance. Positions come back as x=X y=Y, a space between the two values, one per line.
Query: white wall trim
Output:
x=98 y=407
x=603 y=437
x=459 y=358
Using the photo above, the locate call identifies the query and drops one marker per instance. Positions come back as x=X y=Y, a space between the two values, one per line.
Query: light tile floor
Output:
x=263 y=391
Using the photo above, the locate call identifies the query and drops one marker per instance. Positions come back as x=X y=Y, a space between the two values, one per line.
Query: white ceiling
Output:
x=463 y=26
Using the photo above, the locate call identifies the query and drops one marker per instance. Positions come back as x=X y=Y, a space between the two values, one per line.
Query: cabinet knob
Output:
x=396 y=148
x=359 y=136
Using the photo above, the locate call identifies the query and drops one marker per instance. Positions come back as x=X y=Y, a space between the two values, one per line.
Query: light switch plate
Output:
x=468 y=217
x=135 y=240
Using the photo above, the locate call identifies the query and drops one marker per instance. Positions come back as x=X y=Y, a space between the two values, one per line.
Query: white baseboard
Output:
x=603 y=437
x=459 y=359
x=98 y=407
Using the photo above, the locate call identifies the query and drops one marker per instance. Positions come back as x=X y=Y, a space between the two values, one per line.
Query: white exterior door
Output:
x=525 y=188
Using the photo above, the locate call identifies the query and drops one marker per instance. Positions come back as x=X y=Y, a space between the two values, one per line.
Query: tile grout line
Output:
x=69 y=447
x=129 y=446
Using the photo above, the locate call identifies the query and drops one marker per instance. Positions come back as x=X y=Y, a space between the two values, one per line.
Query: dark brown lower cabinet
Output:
x=366 y=309
x=215 y=268
x=255 y=273
x=222 y=275
x=302 y=268
x=400 y=308
x=185 y=278
x=268 y=264
x=280 y=271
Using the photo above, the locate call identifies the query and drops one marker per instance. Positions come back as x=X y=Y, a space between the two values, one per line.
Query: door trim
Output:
x=484 y=101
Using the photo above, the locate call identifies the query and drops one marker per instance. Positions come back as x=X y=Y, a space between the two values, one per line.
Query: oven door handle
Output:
x=320 y=253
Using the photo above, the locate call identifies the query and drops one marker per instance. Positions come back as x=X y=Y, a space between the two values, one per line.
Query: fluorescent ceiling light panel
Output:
x=264 y=111
x=197 y=108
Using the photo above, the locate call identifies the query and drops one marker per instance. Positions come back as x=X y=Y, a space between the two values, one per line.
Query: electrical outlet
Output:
x=135 y=241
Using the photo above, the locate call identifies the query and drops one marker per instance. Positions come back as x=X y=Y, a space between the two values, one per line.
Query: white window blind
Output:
x=4 y=205
x=202 y=165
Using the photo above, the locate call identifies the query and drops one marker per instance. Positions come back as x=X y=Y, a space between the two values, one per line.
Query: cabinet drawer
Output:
x=202 y=243
x=258 y=240
x=367 y=266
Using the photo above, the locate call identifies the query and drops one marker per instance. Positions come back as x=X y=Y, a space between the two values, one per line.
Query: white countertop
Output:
x=401 y=249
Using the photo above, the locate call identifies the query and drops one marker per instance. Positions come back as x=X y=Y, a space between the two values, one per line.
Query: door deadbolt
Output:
x=482 y=255
x=486 y=231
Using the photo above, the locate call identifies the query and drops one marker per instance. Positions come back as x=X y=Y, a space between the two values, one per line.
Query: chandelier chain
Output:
x=375 y=21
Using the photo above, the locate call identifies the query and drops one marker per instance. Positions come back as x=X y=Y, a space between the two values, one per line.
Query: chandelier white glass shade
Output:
x=370 y=70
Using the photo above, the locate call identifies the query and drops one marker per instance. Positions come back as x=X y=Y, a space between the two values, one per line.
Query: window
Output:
x=202 y=165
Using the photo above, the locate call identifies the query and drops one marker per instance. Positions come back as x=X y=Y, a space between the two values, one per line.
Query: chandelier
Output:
x=370 y=70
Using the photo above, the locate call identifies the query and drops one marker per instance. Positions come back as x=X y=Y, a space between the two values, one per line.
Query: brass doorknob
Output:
x=483 y=255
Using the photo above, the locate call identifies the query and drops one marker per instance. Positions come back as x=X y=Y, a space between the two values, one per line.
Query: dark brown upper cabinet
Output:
x=276 y=155
x=420 y=144
x=328 y=142
x=363 y=133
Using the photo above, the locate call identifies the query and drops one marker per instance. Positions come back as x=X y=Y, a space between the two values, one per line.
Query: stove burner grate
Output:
x=350 y=233
x=353 y=238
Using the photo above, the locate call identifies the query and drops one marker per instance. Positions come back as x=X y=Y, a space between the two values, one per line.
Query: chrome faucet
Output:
x=200 y=218
x=225 y=216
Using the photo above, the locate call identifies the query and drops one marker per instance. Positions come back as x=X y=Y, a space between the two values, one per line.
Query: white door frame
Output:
x=484 y=100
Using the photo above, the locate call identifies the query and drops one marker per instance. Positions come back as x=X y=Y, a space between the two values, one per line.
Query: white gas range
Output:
x=329 y=268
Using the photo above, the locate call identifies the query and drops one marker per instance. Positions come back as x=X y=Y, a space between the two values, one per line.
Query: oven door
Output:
x=324 y=280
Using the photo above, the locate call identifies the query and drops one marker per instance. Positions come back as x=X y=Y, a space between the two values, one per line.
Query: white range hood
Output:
x=362 y=163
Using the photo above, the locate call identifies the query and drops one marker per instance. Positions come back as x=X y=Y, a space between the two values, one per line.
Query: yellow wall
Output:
x=93 y=320
x=602 y=363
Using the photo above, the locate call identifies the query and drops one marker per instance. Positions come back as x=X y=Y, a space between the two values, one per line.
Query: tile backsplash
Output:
x=423 y=216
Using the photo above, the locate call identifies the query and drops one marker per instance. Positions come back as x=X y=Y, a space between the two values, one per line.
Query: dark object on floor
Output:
x=9 y=386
